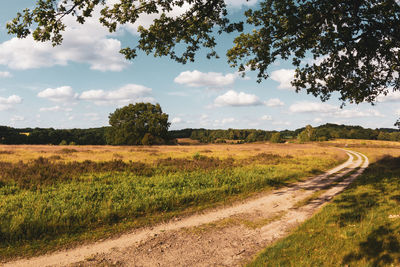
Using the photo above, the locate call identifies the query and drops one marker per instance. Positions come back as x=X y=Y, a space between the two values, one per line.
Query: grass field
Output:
x=52 y=197
x=361 y=227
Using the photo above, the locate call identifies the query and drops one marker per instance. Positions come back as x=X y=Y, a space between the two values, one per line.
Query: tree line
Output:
x=305 y=134
x=147 y=124
x=44 y=136
x=98 y=136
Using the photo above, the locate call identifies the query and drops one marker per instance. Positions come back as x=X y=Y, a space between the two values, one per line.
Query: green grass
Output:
x=359 y=228
x=47 y=216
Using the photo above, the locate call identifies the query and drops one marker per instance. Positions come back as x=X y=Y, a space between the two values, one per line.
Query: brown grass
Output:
x=26 y=153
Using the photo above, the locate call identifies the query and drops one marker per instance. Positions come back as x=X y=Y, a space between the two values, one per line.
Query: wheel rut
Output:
x=226 y=236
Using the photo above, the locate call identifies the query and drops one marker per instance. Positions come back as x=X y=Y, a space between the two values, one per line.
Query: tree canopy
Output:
x=135 y=124
x=354 y=46
x=307 y=135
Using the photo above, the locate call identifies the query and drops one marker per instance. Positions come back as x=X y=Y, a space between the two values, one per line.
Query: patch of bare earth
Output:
x=228 y=236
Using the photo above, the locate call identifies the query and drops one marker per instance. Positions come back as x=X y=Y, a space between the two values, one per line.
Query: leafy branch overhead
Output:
x=194 y=28
x=354 y=45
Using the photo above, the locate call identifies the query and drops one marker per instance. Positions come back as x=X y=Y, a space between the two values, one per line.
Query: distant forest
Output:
x=321 y=133
x=96 y=136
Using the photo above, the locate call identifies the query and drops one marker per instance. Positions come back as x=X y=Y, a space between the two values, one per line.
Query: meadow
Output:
x=360 y=227
x=57 y=196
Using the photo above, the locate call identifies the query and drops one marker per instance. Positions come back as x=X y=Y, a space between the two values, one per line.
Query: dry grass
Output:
x=374 y=149
x=26 y=153
x=359 y=143
x=91 y=192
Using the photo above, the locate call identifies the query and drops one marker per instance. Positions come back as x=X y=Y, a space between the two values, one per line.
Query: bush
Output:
x=148 y=139
x=276 y=138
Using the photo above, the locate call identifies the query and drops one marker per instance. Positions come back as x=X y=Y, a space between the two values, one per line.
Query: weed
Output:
x=6 y=152
x=67 y=151
x=199 y=162
x=54 y=157
x=43 y=171
x=118 y=156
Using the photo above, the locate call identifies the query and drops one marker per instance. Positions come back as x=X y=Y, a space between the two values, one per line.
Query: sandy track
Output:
x=226 y=236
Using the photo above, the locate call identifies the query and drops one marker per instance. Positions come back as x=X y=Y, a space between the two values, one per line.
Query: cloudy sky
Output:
x=78 y=84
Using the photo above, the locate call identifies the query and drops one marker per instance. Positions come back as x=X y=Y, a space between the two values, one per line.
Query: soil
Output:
x=226 y=236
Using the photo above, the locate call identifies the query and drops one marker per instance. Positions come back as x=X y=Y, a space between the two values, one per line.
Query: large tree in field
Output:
x=135 y=124
x=354 y=46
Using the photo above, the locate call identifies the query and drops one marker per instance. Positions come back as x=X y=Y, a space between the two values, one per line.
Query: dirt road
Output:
x=227 y=236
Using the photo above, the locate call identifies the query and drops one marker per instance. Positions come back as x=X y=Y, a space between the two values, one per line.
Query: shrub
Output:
x=63 y=143
x=276 y=138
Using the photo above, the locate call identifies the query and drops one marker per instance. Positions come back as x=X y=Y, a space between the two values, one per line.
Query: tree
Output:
x=355 y=45
x=131 y=124
x=383 y=136
x=307 y=135
x=276 y=138
x=193 y=28
x=63 y=143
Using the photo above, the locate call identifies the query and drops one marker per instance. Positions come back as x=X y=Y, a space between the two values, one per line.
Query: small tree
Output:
x=276 y=138
x=307 y=135
x=131 y=124
x=63 y=143
x=383 y=136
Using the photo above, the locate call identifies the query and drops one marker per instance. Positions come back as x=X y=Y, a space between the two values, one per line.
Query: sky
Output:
x=78 y=84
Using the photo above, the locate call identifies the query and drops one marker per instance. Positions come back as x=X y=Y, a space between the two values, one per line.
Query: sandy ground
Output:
x=227 y=236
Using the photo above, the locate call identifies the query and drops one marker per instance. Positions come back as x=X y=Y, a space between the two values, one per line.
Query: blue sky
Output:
x=78 y=84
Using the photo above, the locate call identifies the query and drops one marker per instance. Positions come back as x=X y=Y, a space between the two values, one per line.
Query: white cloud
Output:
x=355 y=113
x=398 y=112
x=331 y=111
x=5 y=74
x=240 y=3
x=223 y=121
x=284 y=77
x=176 y=120
x=274 y=102
x=204 y=120
x=55 y=109
x=235 y=99
x=145 y=20
x=92 y=116
x=228 y=120
x=88 y=43
x=9 y=102
x=284 y=123
x=200 y=79
x=390 y=97
x=130 y=93
x=60 y=94
x=318 y=120
x=266 y=118
x=312 y=107
x=178 y=93
x=16 y=118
